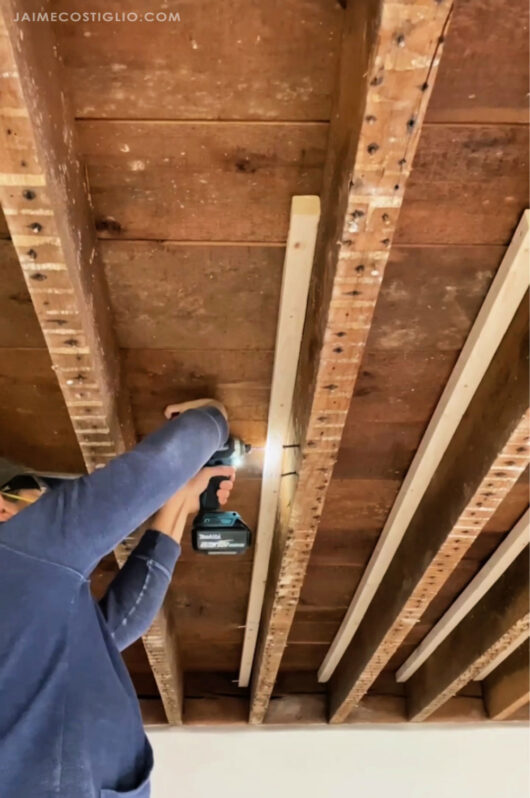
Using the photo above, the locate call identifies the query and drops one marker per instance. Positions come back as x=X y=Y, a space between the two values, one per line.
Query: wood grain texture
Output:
x=239 y=378
x=449 y=196
x=56 y=247
x=496 y=313
x=506 y=553
x=484 y=73
x=35 y=428
x=4 y=232
x=372 y=143
x=431 y=296
x=299 y=257
x=484 y=459
x=60 y=262
x=237 y=60
x=18 y=323
x=199 y=182
x=173 y=296
x=507 y=689
x=499 y=617
x=522 y=714
x=304 y=710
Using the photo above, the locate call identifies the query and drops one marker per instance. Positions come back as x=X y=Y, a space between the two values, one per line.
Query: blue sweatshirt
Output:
x=70 y=724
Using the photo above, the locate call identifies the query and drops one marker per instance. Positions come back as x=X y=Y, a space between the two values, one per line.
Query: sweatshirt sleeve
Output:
x=84 y=519
x=137 y=592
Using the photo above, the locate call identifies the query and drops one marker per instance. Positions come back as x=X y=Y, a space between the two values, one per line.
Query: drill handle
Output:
x=208 y=498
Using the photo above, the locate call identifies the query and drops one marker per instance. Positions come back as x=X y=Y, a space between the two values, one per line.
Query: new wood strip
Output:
x=389 y=59
x=56 y=248
x=515 y=542
x=496 y=620
x=484 y=459
x=299 y=254
x=496 y=313
x=508 y=688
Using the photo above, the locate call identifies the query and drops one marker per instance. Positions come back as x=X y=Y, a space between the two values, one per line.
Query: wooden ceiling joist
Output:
x=499 y=618
x=389 y=58
x=487 y=454
x=507 y=689
x=304 y=709
x=500 y=560
x=496 y=313
x=45 y=199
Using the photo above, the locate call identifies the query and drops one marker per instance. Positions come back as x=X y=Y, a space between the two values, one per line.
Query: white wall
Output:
x=407 y=762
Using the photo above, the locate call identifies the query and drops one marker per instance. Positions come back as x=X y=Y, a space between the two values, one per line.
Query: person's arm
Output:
x=80 y=522
x=137 y=592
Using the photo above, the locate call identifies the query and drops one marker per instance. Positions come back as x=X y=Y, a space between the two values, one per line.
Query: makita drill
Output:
x=217 y=531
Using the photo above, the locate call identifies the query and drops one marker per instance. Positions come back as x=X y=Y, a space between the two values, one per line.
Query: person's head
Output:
x=21 y=491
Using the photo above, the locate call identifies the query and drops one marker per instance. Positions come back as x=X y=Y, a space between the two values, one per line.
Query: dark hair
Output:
x=29 y=482
x=20 y=482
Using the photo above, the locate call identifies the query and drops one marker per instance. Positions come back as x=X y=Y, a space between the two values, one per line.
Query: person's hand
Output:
x=198 y=484
x=174 y=410
x=171 y=518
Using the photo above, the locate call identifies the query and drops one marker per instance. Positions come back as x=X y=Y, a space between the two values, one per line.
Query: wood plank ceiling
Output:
x=465 y=196
x=195 y=137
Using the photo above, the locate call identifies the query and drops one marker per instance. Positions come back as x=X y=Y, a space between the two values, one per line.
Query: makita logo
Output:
x=210 y=536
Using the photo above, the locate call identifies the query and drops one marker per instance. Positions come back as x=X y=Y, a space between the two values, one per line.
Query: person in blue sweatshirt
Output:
x=70 y=723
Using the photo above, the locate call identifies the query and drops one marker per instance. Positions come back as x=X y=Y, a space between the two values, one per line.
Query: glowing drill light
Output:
x=237 y=460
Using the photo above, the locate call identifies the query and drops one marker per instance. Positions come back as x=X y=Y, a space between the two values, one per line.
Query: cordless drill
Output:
x=217 y=531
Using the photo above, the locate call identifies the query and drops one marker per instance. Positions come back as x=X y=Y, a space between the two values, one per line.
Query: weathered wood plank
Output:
x=495 y=621
x=389 y=60
x=32 y=404
x=431 y=296
x=318 y=624
x=496 y=314
x=200 y=182
x=56 y=245
x=484 y=459
x=174 y=296
x=56 y=248
x=305 y=710
x=514 y=543
x=239 y=378
x=484 y=73
x=507 y=689
x=18 y=324
x=449 y=196
x=236 y=60
x=152 y=710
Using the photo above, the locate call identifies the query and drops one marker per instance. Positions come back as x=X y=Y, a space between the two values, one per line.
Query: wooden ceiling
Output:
x=194 y=136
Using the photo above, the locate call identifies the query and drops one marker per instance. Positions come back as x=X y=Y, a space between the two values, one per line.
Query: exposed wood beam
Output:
x=496 y=313
x=306 y=709
x=45 y=199
x=299 y=253
x=389 y=59
x=495 y=661
x=490 y=627
x=486 y=456
x=500 y=560
x=508 y=687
